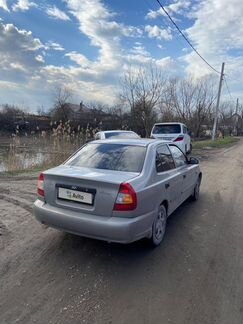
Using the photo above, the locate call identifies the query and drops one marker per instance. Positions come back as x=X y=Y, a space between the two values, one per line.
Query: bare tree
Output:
x=61 y=100
x=9 y=115
x=230 y=118
x=142 y=91
x=41 y=110
x=205 y=96
x=190 y=101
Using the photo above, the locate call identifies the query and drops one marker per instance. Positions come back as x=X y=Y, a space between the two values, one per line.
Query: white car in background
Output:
x=116 y=134
x=174 y=132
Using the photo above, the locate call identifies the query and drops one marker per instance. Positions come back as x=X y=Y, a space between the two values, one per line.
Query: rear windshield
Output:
x=167 y=129
x=120 y=135
x=118 y=157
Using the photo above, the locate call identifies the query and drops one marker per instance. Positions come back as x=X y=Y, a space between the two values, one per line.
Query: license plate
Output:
x=75 y=195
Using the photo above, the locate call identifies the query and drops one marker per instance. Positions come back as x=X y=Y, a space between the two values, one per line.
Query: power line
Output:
x=163 y=22
x=227 y=87
x=184 y=36
x=233 y=79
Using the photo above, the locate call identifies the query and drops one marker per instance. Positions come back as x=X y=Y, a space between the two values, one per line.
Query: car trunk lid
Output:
x=166 y=137
x=92 y=191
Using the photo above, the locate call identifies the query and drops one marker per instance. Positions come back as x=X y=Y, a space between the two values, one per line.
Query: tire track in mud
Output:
x=18 y=178
x=25 y=205
x=4 y=235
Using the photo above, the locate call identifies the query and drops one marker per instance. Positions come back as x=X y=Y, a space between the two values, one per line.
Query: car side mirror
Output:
x=193 y=160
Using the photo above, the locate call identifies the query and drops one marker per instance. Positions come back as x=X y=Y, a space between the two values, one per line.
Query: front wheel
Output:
x=159 y=226
x=196 y=191
x=190 y=150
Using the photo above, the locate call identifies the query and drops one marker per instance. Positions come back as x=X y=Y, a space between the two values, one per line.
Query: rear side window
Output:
x=167 y=129
x=164 y=160
x=117 y=157
x=178 y=156
x=184 y=129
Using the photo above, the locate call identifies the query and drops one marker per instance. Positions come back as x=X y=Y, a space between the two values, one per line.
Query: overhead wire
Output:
x=163 y=22
x=191 y=45
x=227 y=87
x=186 y=39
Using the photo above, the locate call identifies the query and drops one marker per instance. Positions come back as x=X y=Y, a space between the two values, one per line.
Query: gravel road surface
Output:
x=194 y=277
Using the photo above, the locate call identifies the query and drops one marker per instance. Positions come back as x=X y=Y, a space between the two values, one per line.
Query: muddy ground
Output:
x=195 y=276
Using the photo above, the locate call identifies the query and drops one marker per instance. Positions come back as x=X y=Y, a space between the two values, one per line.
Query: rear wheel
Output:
x=159 y=226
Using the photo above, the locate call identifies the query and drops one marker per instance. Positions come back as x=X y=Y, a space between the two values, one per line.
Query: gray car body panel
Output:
x=100 y=220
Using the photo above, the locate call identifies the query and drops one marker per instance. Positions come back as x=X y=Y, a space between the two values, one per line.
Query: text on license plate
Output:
x=75 y=195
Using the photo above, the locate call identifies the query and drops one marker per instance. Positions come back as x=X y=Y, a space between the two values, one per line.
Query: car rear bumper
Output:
x=113 y=229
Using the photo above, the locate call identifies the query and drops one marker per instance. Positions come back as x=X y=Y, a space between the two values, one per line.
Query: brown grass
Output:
x=42 y=150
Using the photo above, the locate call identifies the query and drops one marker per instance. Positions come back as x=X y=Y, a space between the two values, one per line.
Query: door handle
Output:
x=167 y=185
x=184 y=176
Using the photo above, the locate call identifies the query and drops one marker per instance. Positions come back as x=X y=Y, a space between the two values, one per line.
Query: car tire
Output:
x=196 y=191
x=190 y=150
x=159 y=226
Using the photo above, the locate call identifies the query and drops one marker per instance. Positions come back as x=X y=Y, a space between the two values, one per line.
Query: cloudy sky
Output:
x=87 y=45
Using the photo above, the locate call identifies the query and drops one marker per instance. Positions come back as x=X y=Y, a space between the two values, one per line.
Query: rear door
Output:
x=167 y=175
x=187 y=172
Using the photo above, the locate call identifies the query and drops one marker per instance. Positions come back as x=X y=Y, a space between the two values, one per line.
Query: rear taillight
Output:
x=179 y=138
x=126 y=198
x=40 y=185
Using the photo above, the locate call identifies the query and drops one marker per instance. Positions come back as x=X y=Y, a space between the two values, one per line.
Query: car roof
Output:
x=117 y=130
x=172 y=123
x=138 y=142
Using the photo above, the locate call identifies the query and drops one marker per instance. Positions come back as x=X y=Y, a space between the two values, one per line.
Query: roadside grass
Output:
x=43 y=151
x=218 y=143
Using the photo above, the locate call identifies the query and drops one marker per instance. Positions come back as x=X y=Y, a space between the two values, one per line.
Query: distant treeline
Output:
x=146 y=96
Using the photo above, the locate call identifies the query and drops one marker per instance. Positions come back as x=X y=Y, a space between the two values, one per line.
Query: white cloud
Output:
x=54 y=46
x=18 y=52
x=22 y=57
x=56 y=13
x=96 y=21
x=23 y=5
x=17 y=40
x=166 y=63
x=140 y=50
x=3 y=5
x=80 y=59
x=156 y=32
x=17 y=66
x=219 y=38
x=153 y=14
x=39 y=58
x=177 y=7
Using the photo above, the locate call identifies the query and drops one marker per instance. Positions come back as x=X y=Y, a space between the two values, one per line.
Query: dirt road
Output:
x=194 y=277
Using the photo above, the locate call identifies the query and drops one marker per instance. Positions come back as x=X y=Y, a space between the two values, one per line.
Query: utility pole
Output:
x=236 y=117
x=217 y=104
x=237 y=106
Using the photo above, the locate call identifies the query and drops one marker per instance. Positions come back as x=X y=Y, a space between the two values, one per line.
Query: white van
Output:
x=174 y=132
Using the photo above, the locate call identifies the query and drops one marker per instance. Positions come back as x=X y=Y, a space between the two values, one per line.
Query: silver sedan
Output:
x=118 y=190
